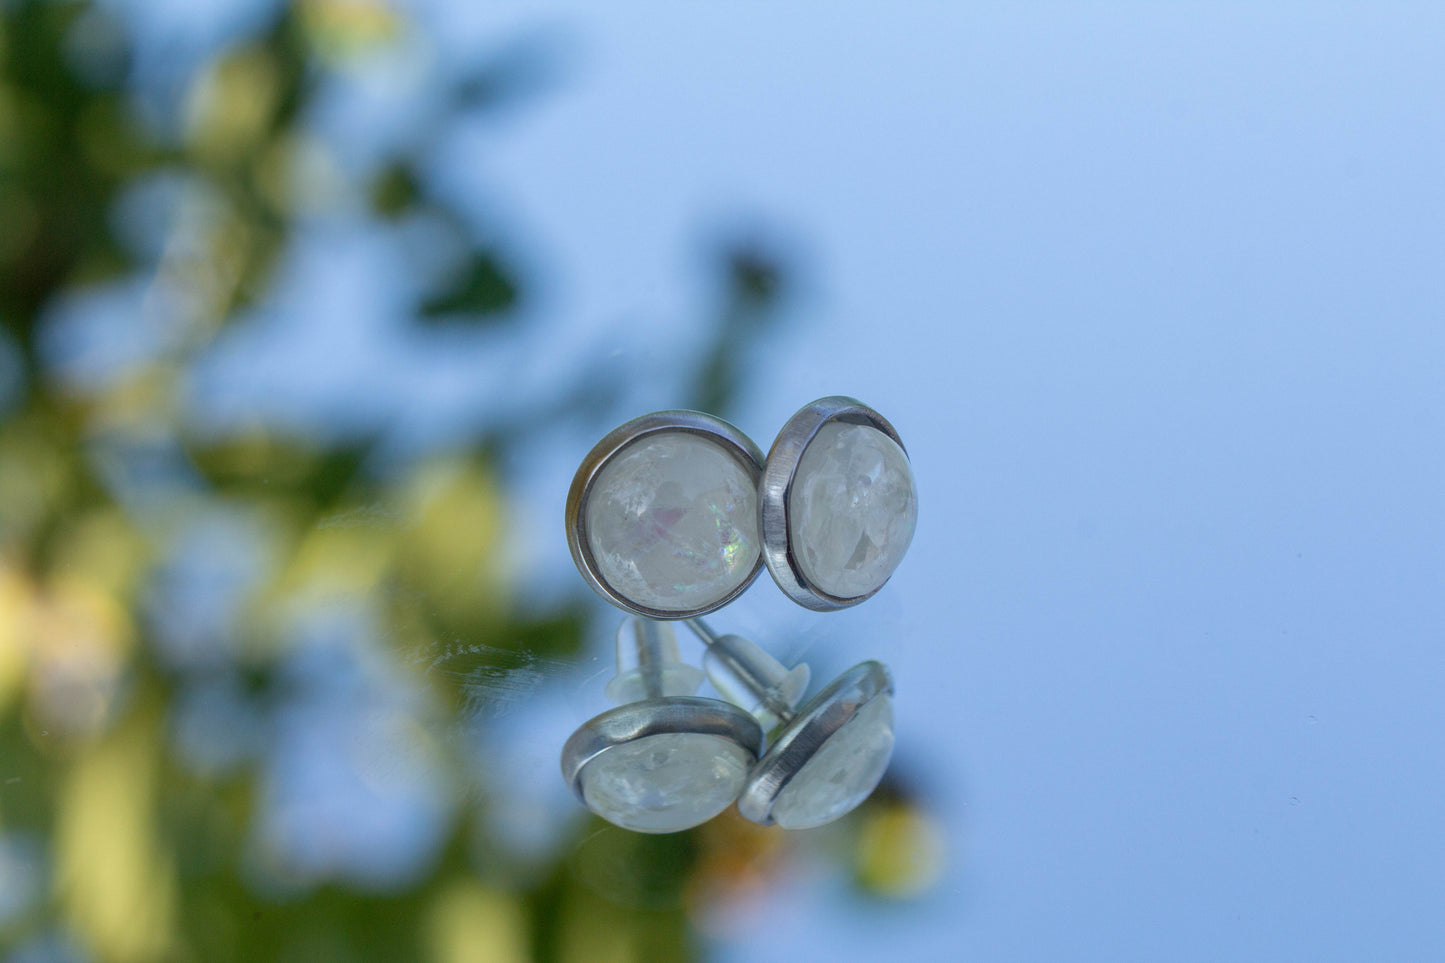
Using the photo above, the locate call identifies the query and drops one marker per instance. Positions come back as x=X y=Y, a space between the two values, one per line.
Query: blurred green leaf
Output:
x=754 y=280
x=520 y=70
x=266 y=465
x=395 y=191
x=66 y=146
x=481 y=290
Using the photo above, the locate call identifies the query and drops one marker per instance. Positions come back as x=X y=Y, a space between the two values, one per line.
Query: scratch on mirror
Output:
x=492 y=680
x=360 y=516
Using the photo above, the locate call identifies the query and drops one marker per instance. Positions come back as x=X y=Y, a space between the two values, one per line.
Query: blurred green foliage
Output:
x=142 y=856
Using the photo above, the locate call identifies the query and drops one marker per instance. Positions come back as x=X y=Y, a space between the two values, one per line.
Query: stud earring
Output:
x=664 y=760
x=838 y=504
x=828 y=756
x=662 y=516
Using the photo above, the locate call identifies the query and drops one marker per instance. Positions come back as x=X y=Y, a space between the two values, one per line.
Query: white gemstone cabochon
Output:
x=672 y=522
x=667 y=782
x=852 y=509
x=842 y=773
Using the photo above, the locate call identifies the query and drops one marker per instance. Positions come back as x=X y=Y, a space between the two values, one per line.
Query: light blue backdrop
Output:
x=1156 y=296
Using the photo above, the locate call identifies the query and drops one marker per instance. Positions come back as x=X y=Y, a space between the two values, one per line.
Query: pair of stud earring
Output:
x=666 y=760
x=672 y=515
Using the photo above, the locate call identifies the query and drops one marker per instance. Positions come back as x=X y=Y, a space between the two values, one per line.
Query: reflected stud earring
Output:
x=837 y=503
x=662 y=516
x=828 y=756
x=664 y=760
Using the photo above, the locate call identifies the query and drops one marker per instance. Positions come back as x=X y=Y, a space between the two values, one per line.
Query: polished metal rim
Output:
x=801 y=739
x=777 y=485
x=729 y=438
x=653 y=717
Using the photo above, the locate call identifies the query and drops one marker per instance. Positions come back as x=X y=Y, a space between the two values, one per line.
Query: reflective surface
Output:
x=310 y=311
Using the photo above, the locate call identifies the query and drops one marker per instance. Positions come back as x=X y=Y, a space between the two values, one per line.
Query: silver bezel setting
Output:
x=652 y=717
x=801 y=739
x=727 y=437
x=777 y=485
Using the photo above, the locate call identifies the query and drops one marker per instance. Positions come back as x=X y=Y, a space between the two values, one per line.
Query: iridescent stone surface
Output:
x=672 y=522
x=667 y=782
x=842 y=773
x=852 y=509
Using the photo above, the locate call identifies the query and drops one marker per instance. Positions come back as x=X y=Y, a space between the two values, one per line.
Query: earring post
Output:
x=745 y=674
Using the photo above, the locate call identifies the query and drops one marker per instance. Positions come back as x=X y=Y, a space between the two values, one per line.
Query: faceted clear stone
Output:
x=852 y=509
x=841 y=774
x=665 y=783
x=672 y=521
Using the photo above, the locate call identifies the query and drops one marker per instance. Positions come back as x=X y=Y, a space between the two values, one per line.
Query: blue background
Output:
x=1156 y=296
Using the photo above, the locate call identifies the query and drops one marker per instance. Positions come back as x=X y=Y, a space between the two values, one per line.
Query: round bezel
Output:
x=724 y=435
x=651 y=717
x=801 y=739
x=777 y=485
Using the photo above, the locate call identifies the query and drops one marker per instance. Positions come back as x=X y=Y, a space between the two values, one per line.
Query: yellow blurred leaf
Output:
x=104 y=548
x=454 y=545
x=900 y=851
x=342 y=30
x=15 y=605
x=230 y=109
x=469 y=923
x=115 y=882
x=80 y=637
x=137 y=401
x=340 y=558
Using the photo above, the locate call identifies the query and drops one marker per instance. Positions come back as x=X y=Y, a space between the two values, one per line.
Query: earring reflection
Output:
x=824 y=758
x=664 y=760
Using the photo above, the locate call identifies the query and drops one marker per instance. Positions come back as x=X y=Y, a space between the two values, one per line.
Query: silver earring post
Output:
x=826 y=757
x=750 y=677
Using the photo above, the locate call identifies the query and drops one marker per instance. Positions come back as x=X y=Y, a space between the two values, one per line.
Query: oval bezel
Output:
x=800 y=740
x=779 y=471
